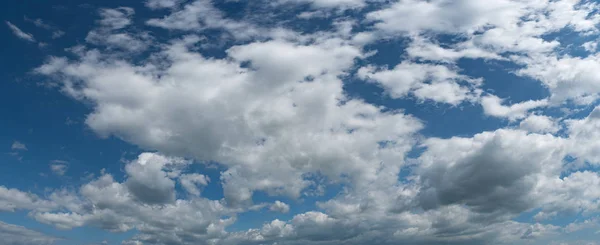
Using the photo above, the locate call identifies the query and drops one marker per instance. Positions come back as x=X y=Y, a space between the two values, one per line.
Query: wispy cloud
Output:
x=56 y=32
x=18 y=146
x=59 y=167
x=19 y=33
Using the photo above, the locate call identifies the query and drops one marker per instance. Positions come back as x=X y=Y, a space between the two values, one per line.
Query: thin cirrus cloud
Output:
x=19 y=33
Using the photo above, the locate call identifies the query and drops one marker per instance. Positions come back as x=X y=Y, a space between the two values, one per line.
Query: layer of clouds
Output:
x=19 y=235
x=273 y=112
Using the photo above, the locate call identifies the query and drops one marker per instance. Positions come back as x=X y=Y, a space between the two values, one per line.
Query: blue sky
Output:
x=299 y=122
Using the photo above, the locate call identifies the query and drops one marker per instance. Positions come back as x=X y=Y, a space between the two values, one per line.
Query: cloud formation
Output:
x=19 y=33
x=270 y=104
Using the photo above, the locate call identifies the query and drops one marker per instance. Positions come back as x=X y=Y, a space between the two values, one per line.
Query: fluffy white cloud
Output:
x=422 y=48
x=539 y=124
x=290 y=112
x=444 y=15
x=148 y=182
x=118 y=18
x=583 y=134
x=200 y=15
x=493 y=172
x=567 y=78
x=424 y=81
x=191 y=182
x=280 y=206
x=272 y=111
x=328 y=3
x=112 y=32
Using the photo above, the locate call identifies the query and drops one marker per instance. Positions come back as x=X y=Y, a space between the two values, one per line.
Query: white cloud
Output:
x=425 y=49
x=56 y=32
x=583 y=134
x=117 y=18
x=567 y=78
x=19 y=235
x=58 y=168
x=19 y=33
x=280 y=119
x=328 y=3
x=190 y=182
x=16 y=145
x=146 y=206
x=200 y=15
x=273 y=112
x=444 y=16
x=492 y=106
x=425 y=81
x=148 y=182
x=111 y=31
x=158 y=4
x=590 y=46
x=279 y=206
x=539 y=124
x=13 y=199
x=493 y=172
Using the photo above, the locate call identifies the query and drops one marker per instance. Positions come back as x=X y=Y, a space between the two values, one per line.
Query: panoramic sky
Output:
x=299 y=122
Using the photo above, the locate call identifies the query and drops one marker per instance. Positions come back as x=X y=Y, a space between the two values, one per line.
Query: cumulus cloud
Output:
x=567 y=78
x=272 y=110
x=191 y=182
x=493 y=172
x=281 y=118
x=424 y=81
x=583 y=132
x=279 y=206
x=539 y=124
x=14 y=199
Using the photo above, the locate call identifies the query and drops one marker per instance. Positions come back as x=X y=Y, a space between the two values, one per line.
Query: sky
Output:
x=288 y=122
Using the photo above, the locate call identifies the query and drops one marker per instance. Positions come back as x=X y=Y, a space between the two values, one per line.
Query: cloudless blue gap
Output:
x=499 y=80
x=395 y=51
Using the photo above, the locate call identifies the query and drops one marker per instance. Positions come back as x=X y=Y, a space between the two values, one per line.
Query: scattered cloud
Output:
x=19 y=235
x=19 y=33
x=18 y=146
x=56 y=32
x=279 y=206
x=59 y=167
x=269 y=103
